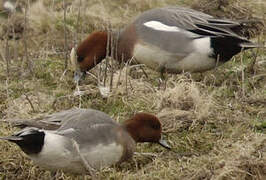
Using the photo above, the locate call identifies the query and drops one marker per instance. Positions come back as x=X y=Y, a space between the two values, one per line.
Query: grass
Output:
x=215 y=121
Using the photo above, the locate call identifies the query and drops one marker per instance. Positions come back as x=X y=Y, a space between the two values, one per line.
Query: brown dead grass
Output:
x=215 y=121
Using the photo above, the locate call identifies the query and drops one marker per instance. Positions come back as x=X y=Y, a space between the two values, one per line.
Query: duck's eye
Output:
x=156 y=126
x=80 y=58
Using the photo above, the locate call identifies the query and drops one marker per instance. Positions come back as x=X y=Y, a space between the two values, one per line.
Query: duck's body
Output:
x=85 y=137
x=172 y=39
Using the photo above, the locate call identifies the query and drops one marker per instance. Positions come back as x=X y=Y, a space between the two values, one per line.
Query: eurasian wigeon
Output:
x=172 y=39
x=86 y=139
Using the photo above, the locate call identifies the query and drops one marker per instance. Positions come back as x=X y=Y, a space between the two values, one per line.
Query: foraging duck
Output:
x=86 y=139
x=171 y=39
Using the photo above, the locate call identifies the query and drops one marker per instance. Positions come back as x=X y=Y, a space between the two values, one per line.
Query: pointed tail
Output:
x=248 y=45
x=12 y=138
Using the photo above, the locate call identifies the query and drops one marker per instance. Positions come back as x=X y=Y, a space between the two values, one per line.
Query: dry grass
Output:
x=215 y=121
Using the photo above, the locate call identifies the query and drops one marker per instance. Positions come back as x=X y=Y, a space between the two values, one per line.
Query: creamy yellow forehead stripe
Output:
x=73 y=60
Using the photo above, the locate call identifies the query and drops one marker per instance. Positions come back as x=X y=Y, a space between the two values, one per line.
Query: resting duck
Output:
x=172 y=39
x=85 y=139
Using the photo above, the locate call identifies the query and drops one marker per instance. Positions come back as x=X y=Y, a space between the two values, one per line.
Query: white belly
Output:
x=195 y=61
x=60 y=153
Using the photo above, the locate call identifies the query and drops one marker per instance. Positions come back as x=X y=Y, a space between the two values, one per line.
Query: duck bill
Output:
x=78 y=75
x=163 y=143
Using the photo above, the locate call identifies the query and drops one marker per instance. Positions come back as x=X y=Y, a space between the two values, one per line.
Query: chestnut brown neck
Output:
x=144 y=127
x=130 y=127
x=93 y=50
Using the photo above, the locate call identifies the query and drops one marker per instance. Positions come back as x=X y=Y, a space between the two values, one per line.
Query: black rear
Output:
x=29 y=140
x=224 y=48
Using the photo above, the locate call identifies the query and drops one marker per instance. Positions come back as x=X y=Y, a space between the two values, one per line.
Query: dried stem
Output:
x=61 y=78
x=111 y=50
x=6 y=57
x=16 y=45
x=105 y=72
x=31 y=105
x=80 y=96
x=111 y=58
x=78 y=25
x=126 y=78
x=29 y=62
x=127 y=64
x=107 y=53
x=251 y=67
x=242 y=74
x=141 y=67
x=7 y=90
x=84 y=160
x=119 y=75
x=65 y=36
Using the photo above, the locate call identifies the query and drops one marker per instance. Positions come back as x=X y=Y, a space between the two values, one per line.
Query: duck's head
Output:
x=144 y=127
x=89 y=53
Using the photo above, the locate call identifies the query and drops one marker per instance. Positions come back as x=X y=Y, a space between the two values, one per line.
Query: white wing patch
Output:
x=66 y=131
x=156 y=25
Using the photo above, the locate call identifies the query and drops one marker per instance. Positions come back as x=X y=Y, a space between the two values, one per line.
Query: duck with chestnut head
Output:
x=83 y=140
x=170 y=39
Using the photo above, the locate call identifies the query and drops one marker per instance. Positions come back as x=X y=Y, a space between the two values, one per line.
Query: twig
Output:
x=16 y=44
x=7 y=91
x=31 y=105
x=251 y=67
x=63 y=74
x=84 y=161
x=92 y=75
x=217 y=62
x=78 y=23
x=128 y=69
x=7 y=57
x=29 y=62
x=107 y=53
x=105 y=72
x=145 y=154
x=242 y=74
x=113 y=44
x=99 y=73
x=65 y=35
x=141 y=67
x=165 y=81
x=119 y=75
x=126 y=77
x=79 y=94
